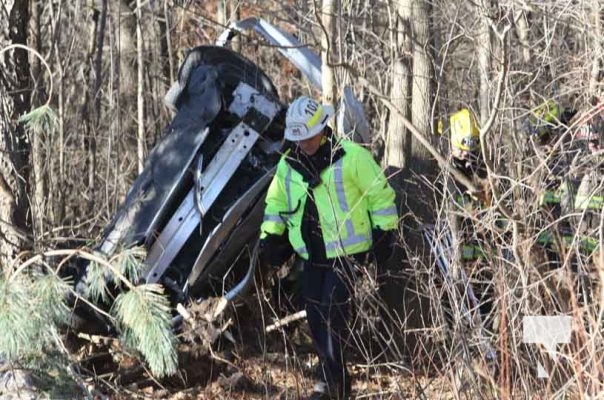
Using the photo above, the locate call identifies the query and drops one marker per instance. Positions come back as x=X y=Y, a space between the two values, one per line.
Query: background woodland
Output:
x=92 y=84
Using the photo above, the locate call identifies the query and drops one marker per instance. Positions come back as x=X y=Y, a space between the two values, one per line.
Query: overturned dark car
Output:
x=198 y=204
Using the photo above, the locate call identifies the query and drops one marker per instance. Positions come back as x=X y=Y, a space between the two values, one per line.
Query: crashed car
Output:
x=198 y=204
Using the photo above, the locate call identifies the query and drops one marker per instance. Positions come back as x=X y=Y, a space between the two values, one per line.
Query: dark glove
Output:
x=275 y=250
x=384 y=243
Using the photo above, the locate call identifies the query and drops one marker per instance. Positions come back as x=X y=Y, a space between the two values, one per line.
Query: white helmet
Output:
x=306 y=118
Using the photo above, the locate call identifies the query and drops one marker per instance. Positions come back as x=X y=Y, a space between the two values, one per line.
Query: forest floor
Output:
x=277 y=375
x=255 y=365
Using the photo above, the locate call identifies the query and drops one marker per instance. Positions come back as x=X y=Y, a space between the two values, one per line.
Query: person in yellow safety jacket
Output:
x=471 y=244
x=331 y=204
x=465 y=157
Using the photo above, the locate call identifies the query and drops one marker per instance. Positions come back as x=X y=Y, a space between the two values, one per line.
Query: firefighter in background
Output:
x=546 y=126
x=466 y=158
x=471 y=243
x=330 y=202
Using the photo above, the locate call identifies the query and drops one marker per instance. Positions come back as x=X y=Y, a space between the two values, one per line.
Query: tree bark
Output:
x=328 y=23
x=164 y=23
x=597 y=48
x=96 y=95
x=37 y=138
x=411 y=88
x=222 y=12
x=484 y=51
x=421 y=93
x=411 y=94
x=398 y=139
x=56 y=178
x=522 y=30
x=140 y=89
x=14 y=147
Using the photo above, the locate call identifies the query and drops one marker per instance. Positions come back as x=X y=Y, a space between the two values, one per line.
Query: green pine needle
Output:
x=32 y=306
x=130 y=262
x=24 y=329
x=145 y=320
x=40 y=120
x=96 y=282
x=51 y=297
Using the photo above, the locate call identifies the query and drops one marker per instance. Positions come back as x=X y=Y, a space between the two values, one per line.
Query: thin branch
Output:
x=39 y=56
x=68 y=252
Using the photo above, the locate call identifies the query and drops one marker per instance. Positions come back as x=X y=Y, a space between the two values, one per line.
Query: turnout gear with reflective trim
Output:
x=351 y=195
x=547 y=120
x=585 y=243
x=589 y=202
x=470 y=252
x=590 y=194
x=550 y=197
x=561 y=195
x=464 y=206
x=467 y=201
x=544 y=119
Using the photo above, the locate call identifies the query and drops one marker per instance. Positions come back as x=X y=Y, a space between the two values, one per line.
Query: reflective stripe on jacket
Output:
x=590 y=195
x=352 y=198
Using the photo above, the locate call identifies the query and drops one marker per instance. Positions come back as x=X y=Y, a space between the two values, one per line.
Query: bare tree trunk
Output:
x=303 y=11
x=413 y=59
x=14 y=148
x=55 y=200
x=421 y=92
x=86 y=117
x=165 y=45
x=235 y=15
x=411 y=93
x=98 y=80
x=222 y=12
x=126 y=77
x=36 y=139
x=597 y=48
x=328 y=23
x=227 y=11
x=484 y=51
x=398 y=140
x=522 y=30
x=140 y=89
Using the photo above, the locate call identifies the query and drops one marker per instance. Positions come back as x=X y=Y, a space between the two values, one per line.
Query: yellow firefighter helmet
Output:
x=465 y=134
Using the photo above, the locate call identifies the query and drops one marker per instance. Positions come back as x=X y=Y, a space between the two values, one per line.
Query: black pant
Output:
x=327 y=290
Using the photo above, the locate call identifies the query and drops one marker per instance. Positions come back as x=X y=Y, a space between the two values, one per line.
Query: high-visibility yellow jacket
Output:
x=352 y=198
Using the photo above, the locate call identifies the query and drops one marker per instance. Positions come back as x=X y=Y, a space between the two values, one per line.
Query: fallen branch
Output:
x=286 y=321
x=186 y=315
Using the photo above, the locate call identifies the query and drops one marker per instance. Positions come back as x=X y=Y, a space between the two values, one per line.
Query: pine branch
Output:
x=97 y=277
x=51 y=294
x=30 y=300
x=40 y=120
x=145 y=321
x=130 y=262
x=30 y=309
